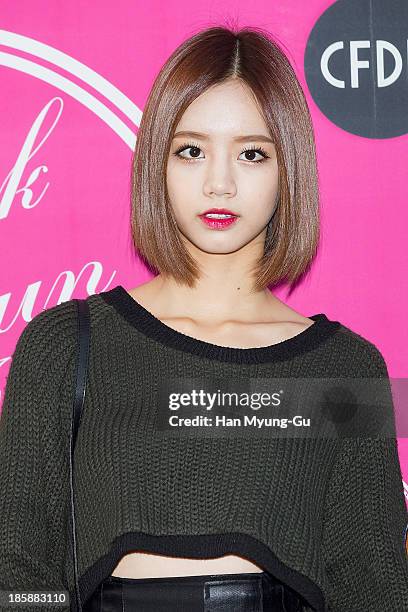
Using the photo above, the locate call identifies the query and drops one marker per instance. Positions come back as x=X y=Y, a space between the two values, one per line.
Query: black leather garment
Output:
x=244 y=592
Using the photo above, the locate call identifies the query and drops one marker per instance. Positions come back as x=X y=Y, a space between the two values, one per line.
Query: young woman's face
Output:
x=216 y=167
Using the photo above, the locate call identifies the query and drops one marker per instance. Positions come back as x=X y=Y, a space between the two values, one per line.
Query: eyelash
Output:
x=191 y=145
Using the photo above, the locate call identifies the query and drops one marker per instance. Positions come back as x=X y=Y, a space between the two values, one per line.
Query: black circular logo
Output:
x=356 y=66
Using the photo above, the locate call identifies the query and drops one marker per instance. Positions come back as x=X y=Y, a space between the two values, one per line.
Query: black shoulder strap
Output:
x=84 y=329
x=84 y=326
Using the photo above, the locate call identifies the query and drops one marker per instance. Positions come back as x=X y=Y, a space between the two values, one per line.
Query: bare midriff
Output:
x=149 y=565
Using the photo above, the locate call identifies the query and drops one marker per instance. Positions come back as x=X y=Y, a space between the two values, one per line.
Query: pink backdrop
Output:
x=74 y=80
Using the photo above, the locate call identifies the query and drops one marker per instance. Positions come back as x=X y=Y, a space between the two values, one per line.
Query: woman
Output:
x=175 y=513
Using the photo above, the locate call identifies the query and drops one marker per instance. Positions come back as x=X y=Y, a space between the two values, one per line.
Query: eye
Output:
x=188 y=146
x=194 y=149
x=258 y=150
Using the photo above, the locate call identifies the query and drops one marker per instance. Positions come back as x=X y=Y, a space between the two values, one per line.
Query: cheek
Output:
x=180 y=185
x=260 y=194
x=182 y=199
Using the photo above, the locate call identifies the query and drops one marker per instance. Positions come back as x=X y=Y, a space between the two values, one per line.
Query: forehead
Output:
x=224 y=111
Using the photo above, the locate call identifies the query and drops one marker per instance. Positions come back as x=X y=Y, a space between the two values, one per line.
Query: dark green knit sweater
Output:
x=325 y=516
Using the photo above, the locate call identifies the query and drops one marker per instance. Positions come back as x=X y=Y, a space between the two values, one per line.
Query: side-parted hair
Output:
x=208 y=58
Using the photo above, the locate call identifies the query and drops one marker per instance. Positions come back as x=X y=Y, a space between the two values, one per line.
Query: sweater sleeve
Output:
x=365 y=519
x=33 y=461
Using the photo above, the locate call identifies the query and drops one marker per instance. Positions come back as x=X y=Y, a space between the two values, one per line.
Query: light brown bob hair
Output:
x=208 y=58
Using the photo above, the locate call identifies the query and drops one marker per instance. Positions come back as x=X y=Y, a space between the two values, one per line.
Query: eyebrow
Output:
x=260 y=137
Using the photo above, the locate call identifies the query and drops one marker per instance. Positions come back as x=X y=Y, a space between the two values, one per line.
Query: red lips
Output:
x=219 y=223
x=220 y=211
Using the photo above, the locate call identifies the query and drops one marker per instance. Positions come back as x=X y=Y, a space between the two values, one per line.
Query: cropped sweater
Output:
x=326 y=516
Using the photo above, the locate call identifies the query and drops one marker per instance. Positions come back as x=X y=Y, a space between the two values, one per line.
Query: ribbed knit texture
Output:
x=325 y=516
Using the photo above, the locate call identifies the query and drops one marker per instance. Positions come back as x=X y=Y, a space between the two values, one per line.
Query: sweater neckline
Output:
x=147 y=323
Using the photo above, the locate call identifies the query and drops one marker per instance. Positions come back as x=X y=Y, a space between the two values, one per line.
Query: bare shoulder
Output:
x=144 y=293
x=287 y=315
